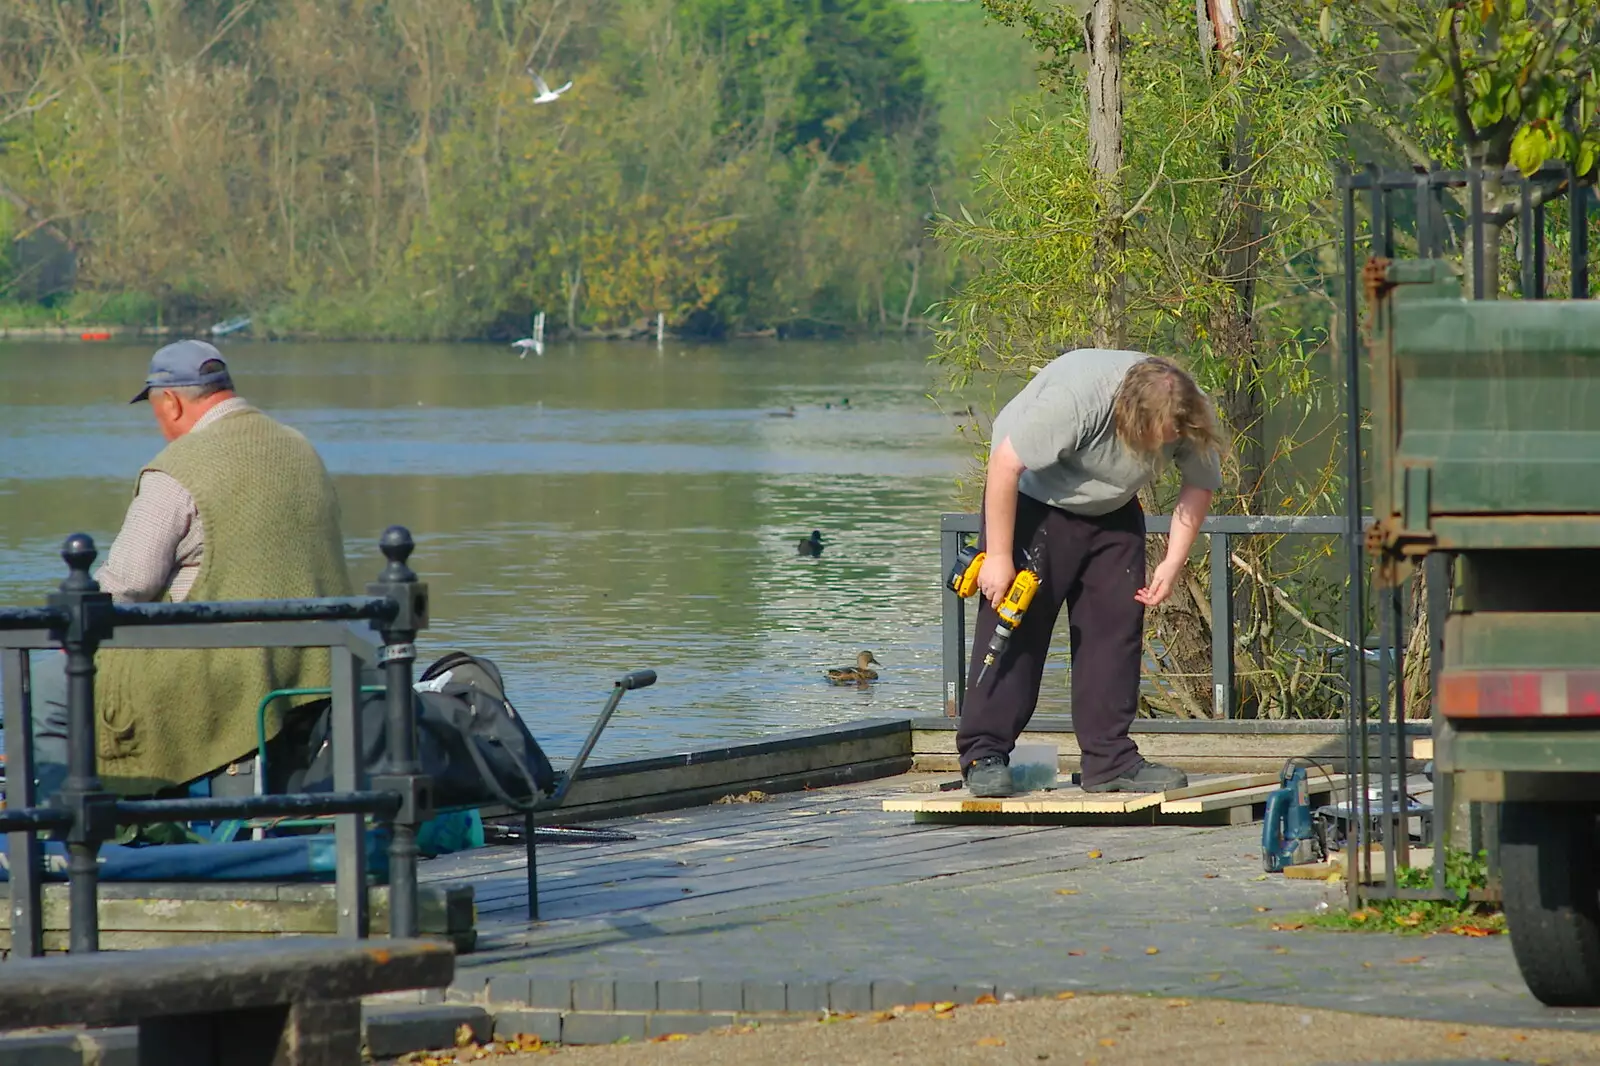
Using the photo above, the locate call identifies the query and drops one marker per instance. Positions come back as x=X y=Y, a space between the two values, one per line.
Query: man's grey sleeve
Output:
x=1199 y=470
x=145 y=553
x=1043 y=430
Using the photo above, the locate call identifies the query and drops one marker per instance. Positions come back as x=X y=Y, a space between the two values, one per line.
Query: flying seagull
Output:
x=546 y=94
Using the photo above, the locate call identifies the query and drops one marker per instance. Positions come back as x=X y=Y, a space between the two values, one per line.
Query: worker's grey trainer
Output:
x=1146 y=777
x=989 y=776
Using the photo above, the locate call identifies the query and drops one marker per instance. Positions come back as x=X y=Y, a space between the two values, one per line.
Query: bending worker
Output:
x=235 y=507
x=1070 y=453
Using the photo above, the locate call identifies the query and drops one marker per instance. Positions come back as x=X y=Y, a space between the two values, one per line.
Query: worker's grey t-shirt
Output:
x=1061 y=427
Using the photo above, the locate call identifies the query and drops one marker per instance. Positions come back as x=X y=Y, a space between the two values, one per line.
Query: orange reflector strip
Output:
x=1519 y=693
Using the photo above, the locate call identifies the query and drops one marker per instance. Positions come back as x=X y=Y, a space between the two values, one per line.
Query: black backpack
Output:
x=470 y=740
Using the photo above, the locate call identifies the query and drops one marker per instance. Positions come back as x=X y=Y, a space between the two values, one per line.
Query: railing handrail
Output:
x=1219 y=530
x=310 y=609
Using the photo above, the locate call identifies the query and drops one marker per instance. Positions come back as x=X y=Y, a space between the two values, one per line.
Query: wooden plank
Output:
x=1317 y=785
x=1213 y=785
x=1061 y=801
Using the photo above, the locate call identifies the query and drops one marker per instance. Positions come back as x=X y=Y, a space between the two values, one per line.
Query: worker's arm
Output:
x=999 y=522
x=1190 y=512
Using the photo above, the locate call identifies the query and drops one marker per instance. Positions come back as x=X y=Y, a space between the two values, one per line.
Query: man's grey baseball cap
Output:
x=179 y=364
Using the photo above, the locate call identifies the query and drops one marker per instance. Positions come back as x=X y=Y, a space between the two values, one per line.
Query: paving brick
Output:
x=389 y=1032
x=664 y=1022
x=678 y=995
x=635 y=995
x=550 y=993
x=764 y=996
x=469 y=987
x=721 y=995
x=510 y=988
x=808 y=996
x=849 y=997
x=886 y=994
x=968 y=991
x=544 y=1024
x=594 y=994
x=602 y=1027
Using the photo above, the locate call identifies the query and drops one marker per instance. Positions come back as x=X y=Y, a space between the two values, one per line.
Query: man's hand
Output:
x=995 y=577
x=1161 y=582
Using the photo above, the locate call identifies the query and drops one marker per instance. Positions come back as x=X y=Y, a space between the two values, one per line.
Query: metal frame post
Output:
x=1222 y=661
x=89 y=620
x=1355 y=659
x=22 y=846
x=349 y=830
x=402 y=774
x=1578 y=229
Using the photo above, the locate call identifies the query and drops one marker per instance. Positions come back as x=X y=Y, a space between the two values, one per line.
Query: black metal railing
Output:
x=1220 y=531
x=81 y=620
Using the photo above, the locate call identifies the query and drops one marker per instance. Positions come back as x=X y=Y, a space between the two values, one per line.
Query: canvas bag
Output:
x=470 y=739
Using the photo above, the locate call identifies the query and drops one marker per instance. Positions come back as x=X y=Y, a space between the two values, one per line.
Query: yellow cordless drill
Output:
x=963 y=581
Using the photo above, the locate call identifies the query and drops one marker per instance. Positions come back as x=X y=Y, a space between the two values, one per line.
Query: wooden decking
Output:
x=710 y=859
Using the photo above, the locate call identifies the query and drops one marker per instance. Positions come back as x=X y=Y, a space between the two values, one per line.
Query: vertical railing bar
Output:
x=1475 y=227
x=531 y=850
x=1437 y=573
x=1222 y=661
x=1355 y=662
x=1386 y=638
x=22 y=847
x=1525 y=229
x=1402 y=840
x=350 y=845
x=1578 y=225
x=952 y=627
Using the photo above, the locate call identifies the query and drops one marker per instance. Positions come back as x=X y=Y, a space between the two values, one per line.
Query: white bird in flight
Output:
x=525 y=344
x=546 y=94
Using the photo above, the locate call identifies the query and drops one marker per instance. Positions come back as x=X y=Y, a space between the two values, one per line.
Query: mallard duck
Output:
x=859 y=674
x=811 y=545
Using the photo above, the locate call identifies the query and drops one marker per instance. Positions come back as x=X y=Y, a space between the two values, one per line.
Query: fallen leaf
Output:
x=1210 y=877
x=1473 y=930
x=1409 y=959
x=1279 y=949
x=1177 y=1003
x=1520 y=1038
x=1262 y=910
x=1263 y=877
x=667 y=1038
x=990 y=1041
x=1066 y=995
x=919 y=1008
x=1074 y=953
x=1152 y=951
x=1066 y=892
x=1287 y=927
x=1094 y=855
x=943 y=1008
x=1213 y=977
x=529 y=1042
x=1105 y=950
x=1106 y=1041
x=883 y=1016
x=986 y=998
x=1455 y=1036
x=463 y=1035
x=1366 y=966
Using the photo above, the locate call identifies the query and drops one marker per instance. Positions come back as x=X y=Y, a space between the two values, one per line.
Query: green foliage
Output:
x=1464 y=873
x=1518 y=80
x=379 y=169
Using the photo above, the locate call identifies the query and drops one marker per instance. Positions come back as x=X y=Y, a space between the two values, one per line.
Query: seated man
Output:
x=236 y=507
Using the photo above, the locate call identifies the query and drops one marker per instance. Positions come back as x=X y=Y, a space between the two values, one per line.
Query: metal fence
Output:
x=954 y=529
x=81 y=620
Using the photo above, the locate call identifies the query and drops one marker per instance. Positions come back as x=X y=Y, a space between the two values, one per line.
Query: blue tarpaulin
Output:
x=297 y=858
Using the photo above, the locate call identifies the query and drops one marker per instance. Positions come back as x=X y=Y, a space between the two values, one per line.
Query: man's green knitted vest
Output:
x=271 y=527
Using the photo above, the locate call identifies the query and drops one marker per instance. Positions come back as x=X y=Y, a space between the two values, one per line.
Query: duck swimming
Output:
x=857 y=675
x=811 y=545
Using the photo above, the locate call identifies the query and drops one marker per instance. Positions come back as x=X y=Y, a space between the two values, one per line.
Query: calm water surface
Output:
x=603 y=508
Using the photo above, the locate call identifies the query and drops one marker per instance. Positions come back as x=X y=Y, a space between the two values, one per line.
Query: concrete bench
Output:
x=289 y=1002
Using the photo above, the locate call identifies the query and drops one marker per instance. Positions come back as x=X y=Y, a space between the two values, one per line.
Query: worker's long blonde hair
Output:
x=1157 y=393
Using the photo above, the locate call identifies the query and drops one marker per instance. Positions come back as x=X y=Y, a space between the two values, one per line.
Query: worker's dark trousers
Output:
x=1093 y=566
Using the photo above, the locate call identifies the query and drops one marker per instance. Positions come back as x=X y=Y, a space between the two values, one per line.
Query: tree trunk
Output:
x=1104 y=36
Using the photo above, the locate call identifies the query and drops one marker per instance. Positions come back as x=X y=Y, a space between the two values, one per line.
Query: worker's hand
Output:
x=995 y=577
x=1161 y=583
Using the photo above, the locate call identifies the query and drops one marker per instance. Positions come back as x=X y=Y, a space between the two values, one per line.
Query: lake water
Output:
x=599 y=509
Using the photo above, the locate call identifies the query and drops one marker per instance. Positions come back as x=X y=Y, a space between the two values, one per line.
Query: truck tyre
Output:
x=1550 y=876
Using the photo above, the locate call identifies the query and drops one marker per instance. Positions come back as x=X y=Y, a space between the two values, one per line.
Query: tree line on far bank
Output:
x=381 y=169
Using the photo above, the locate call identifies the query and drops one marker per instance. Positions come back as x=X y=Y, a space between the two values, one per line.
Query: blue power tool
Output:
x=1290 y=836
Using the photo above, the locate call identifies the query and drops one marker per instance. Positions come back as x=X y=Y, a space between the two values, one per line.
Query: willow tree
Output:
x=1226 y=167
